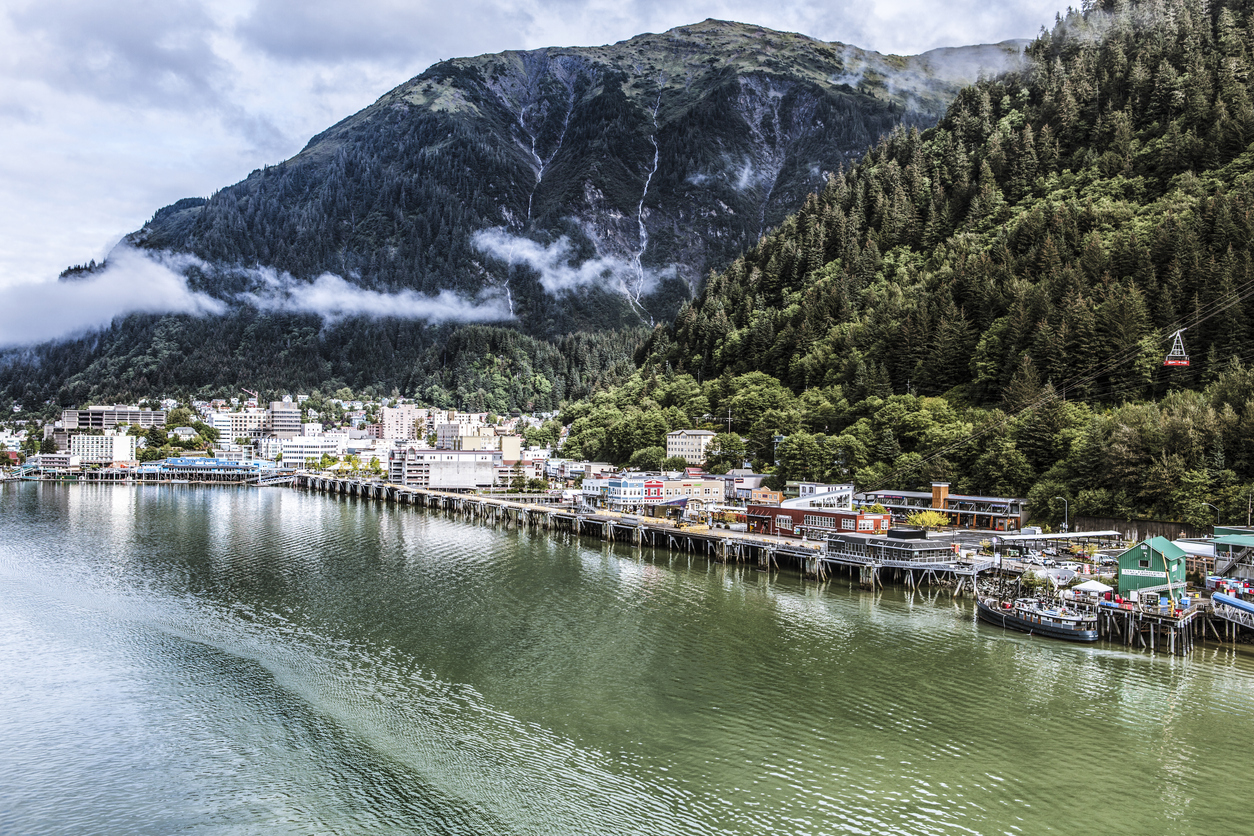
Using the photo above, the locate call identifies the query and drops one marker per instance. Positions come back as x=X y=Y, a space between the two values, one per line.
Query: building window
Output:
x=1143 y=563
x=782 y=521
x=847 y=523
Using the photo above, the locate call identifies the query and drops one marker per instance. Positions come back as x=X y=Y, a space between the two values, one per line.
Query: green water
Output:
x=185 y=660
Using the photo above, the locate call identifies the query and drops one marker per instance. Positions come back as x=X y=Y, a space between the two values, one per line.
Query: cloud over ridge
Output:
x=142 y=281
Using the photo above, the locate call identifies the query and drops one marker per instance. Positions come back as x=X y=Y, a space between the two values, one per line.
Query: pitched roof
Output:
x=1166 y=548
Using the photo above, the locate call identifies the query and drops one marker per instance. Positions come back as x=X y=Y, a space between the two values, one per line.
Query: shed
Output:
x=1153 y=565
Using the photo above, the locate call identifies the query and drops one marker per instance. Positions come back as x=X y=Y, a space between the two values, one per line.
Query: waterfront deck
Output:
x=547 y=513
x=1157 y=630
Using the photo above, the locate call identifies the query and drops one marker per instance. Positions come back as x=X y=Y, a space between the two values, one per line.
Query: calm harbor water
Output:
x=176 y=659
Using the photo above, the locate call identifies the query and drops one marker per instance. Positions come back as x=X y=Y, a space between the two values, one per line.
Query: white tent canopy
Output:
x=1092 y=586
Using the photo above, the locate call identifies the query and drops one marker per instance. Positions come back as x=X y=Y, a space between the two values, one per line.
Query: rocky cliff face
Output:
x=583 y=187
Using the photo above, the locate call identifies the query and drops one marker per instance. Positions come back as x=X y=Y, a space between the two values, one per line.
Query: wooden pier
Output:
x=1157 y=630
x=962 y=576
x=547 y=514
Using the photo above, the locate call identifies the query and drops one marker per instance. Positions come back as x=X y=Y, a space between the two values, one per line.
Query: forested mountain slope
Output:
x=1027 y=259
x=1075 y=212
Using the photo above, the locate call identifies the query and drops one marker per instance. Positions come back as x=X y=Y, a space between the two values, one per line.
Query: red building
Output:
x=796 y=517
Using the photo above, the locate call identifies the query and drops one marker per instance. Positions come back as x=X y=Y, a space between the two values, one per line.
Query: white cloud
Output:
x=559 y=273
x=553 y=262
x=332 y=298
x=133 y=282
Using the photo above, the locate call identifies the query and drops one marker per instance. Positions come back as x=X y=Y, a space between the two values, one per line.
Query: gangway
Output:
x=1233 y=609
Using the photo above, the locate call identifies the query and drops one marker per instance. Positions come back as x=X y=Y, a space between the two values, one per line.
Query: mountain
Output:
x=652 y=160
x=583 y=192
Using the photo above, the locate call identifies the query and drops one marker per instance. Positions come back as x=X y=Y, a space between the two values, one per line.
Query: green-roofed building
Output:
x=1234 y=551
x=1154 y=565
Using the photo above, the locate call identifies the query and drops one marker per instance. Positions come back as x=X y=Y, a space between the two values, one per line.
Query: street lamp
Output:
x=1066 y=514
x=778 y=439
x=1216 y=507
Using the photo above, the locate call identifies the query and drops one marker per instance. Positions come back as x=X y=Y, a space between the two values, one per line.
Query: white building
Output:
x=303 y=450
x=406 y=422
x=284 y=419
x=233 y=425
x=110 y=448
x=443 y=469
x=688 y=444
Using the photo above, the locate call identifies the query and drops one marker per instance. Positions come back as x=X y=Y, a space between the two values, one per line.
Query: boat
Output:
x=1038 y=617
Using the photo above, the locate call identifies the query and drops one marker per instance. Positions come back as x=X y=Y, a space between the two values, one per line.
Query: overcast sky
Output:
x=109 y=111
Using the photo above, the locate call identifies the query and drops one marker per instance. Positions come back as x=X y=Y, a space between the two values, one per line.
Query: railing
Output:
x=1236 y=616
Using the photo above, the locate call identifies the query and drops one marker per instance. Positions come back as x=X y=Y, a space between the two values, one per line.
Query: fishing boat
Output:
x=1038 y=617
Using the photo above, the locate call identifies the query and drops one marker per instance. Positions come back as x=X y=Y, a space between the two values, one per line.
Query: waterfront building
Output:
x=902 y=546
x=110 y=448
x=738 y=485
x=53 y=461
x=207 y=469
x=765 y=496
x=794 y=489
x=1234 y=551
x=595 y=490
x=814 y=515
x=303 y=450
x=688 y=444
x=107 y=417
x=1155 y=565
x=454 y=470
x=625 y=493
x=704 y=490
x=993 y=513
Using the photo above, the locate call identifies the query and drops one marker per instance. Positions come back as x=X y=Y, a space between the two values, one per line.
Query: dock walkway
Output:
x=546 y=514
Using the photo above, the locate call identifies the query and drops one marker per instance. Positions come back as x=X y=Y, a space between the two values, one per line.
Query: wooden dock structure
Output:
x=547 y=513
x=1156 y=630
x=960 y=575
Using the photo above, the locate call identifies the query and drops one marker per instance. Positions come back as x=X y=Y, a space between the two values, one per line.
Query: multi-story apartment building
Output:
x=284 y=419
x=406 y=422
x=302 y=450
x=688 y=444
x=232 y=425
